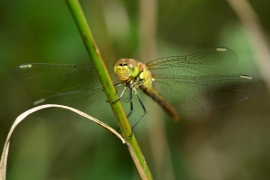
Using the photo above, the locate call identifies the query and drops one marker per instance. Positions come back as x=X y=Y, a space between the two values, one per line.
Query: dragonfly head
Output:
x=125 y=69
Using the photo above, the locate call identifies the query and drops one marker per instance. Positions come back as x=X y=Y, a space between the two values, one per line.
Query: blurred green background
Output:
x=229 y=143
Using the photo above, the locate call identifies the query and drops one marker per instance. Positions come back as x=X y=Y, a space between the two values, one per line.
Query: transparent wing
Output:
x=92 y=102
x=217 y=61
x=76 y=86
x=206 y=92
x=58 y=77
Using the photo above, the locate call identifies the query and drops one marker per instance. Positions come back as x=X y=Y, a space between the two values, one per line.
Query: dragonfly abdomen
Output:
x=162 y=102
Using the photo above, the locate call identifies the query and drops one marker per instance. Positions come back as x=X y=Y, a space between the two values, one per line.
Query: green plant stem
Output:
x=109 y=89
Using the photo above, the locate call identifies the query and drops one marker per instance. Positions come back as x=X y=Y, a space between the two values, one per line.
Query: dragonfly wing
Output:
x=76 y=86
x=216 y=61
x=206 y=92
x=92 y=102
x=57 y=77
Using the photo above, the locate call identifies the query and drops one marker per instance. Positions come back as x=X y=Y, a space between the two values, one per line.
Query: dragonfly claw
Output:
x=118 y=130
x=115 y=101
x=131 y=134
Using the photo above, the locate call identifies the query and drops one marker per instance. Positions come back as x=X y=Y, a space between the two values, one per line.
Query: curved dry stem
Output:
x=20 y=118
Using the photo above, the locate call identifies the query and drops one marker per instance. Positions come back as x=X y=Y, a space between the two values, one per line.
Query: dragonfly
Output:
x=196 y=82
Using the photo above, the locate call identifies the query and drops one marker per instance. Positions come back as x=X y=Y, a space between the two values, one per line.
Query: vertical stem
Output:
x=109 y=89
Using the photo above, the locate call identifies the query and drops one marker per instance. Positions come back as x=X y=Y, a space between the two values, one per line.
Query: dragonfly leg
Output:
x=121 y=95
x=131 y=107
x=115 y=85
x=131 y=103
x=143 y=107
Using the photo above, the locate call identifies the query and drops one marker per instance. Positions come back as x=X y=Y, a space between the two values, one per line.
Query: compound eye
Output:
x=120 y=62
x=133 y=66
